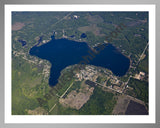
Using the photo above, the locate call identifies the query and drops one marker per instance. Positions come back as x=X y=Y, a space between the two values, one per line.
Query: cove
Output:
x=63 y=52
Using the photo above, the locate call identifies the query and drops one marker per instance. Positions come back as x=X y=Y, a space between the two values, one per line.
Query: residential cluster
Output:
x=140 y=76
x=108 y=79
x=89 y=73
x=46 y=70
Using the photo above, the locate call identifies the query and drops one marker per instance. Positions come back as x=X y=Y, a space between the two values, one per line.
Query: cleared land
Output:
x=17 y=26
x=127 y=105
x=38 y=111
x=76 y=99
x=135 y=108
x=121 y=106
x=91 y=28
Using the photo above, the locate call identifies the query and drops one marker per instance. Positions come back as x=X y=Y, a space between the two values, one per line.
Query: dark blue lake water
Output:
x=22 y=42
x=62 y=53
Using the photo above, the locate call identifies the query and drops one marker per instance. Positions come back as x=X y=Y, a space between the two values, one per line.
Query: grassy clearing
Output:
x=26 y=87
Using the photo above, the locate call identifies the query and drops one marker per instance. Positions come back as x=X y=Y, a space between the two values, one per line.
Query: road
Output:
x=66 y=90
x=136 y=64
x=142 y=53
x=62 y=19
x=61 y=96
x=131 y=97
x=52 y=107
x=107 y=87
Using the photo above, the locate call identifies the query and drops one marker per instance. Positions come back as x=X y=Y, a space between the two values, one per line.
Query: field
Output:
x=136 y=109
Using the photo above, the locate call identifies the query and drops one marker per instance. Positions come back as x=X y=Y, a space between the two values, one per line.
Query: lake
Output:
x=63 y=52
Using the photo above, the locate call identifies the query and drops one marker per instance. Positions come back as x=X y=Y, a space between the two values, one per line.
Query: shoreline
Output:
x=130 y=60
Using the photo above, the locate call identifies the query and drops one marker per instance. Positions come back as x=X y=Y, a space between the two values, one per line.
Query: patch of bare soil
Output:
x=77 y=99
x=17 y=26
x=38 y=111
x=123 y=102
x=91 y=28
x=121 y=106
x=94 y=19
x=136 y=23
